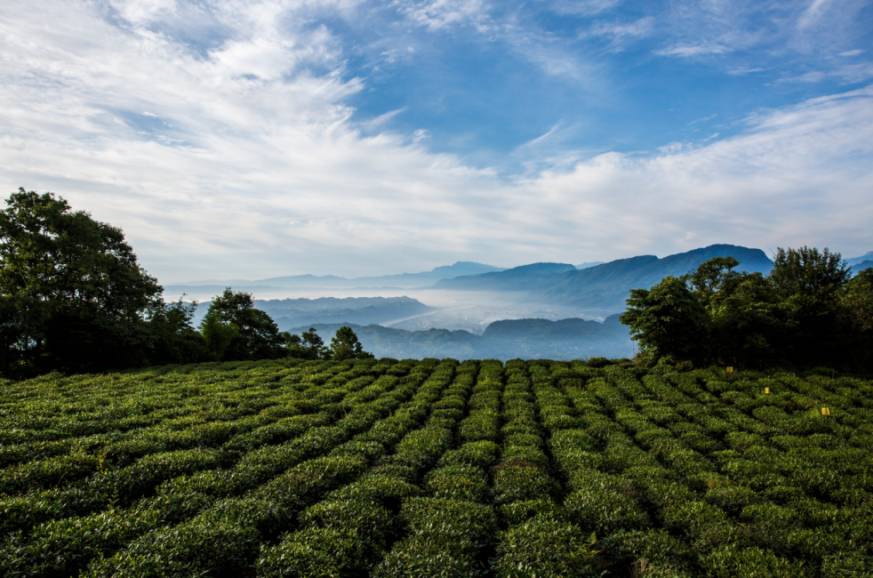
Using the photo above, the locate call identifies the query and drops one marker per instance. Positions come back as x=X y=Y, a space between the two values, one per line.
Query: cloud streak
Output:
x=242 y=157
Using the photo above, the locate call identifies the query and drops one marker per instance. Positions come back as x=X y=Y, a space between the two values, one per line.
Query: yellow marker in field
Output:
x=729 y=370
x=825 y=410
x=767 y=390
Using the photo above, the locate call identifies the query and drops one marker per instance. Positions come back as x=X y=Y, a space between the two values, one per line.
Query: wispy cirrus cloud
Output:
x=620 y=33
x=236 y=150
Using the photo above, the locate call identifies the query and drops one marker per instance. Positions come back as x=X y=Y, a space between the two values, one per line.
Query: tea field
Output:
x=436 y=468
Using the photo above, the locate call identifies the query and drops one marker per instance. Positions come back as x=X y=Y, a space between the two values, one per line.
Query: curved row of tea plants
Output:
x=436 y=468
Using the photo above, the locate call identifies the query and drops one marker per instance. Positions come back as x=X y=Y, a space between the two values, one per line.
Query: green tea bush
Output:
x=545 y=546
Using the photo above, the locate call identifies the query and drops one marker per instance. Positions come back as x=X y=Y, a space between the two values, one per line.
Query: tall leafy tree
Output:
x=809 y=276
x=345 y=345
x=668 y=319
x=71 y=290
x=857 y=315
x=172 y=337
x=234 y=329
x=807 y=312
x=808 y=282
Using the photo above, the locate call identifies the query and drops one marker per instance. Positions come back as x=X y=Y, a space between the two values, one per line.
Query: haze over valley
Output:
x=474 y=310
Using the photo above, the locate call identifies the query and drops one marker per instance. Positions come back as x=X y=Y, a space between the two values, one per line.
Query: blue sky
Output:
x=257 y=138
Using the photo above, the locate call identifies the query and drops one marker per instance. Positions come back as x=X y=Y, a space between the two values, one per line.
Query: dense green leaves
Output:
x=807 y=312
x=74 y=298
x=72 y=294
x=386 y=468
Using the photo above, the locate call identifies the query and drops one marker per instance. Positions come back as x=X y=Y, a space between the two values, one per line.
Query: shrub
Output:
x=521 y=481
x=604 y=509
x=460 y=482
x=479 y=453
x=730 y=562
x=545 y=547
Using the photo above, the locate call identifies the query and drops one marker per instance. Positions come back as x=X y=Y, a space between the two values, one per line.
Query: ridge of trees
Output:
x=807 y=312
x=74 y=298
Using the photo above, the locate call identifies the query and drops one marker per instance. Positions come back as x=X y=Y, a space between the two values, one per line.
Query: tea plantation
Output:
x=436 y=468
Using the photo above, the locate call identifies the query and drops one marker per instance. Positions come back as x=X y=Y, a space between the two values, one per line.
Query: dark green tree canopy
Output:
x=667 y=318
x=74 y=298
x=235 y=329
x=345 y=345
x=71 y=288
x=809 y=275
x=806 y=312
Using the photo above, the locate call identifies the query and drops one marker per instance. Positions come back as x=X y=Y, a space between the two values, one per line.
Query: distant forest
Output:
x=74 y=298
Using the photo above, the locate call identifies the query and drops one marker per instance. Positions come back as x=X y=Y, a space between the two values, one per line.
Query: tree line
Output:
x=807 y=312
x=74 y=298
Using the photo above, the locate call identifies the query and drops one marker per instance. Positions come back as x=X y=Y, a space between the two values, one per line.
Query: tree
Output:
x=668 y=319
x=173 y=338
x=345 y=345
x=308 y=346
x=857 y=314
x=72 y=292
x=806 y=313
x=713 y=275
x=809 y=276
x=746 y=325
x=808 y=282
x=234 y=329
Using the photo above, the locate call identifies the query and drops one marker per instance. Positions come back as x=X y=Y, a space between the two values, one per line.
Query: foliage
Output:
x=345 y=345
x=74 y=298
x=72 y=293
x=296 y=467
x=234 y=329
x=807 y=312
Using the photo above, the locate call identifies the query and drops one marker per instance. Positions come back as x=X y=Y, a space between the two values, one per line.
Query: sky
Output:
x=247 y=139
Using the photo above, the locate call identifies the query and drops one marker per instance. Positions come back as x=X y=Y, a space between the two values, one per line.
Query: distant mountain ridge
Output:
x=327 y=282
x=292 y=313
x=507 y=339
x=607 y=286
x=604 y=288
x=858 y=264
x=865 y=258
x=523 y=278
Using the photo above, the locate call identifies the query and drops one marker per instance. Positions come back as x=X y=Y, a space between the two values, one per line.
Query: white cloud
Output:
x=437 y=14
x=583 y=7
x=691 y=50
x=262 y=170
x=620 y=33
x=813 y=13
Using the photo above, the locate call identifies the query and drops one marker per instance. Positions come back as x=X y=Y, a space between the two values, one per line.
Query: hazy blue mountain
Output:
x=867 y=257
x=858 y=264
x=292 y=313
x=588 y=264
x=606 y=287
x=603 y=289
x=524 y=278
x=861 y=266
x=508 y=339
x=427 y=278
x=327 y=282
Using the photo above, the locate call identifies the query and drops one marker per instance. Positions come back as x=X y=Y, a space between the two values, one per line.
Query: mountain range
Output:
x=326 y=282
x=603 y=284
x=858 y=264
x=294 y=313
x=406 y=327
x=603 y=289
x=508 y=339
